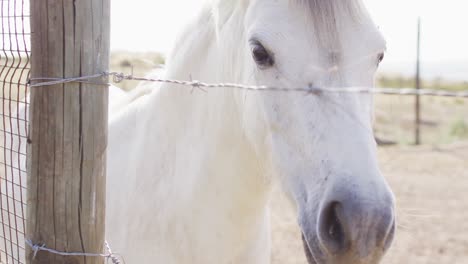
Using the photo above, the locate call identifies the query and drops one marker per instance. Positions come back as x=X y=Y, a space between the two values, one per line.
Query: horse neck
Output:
x=209 y=123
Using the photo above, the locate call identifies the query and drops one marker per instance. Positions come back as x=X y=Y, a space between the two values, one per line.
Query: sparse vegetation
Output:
x=406 y=82
x=459 y=129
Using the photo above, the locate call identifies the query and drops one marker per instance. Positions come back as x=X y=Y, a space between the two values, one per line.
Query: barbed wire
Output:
x=109 y=256
x=47 y=81
x=112 y=257
x=119 y=77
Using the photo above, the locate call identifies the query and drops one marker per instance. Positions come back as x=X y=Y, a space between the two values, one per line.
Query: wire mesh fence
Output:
x=14 y=73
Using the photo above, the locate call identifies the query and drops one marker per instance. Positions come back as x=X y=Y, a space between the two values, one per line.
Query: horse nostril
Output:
x=331 y=229
x=335 y=230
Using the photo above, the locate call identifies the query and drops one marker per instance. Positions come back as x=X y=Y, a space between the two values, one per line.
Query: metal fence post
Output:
x=418 y=87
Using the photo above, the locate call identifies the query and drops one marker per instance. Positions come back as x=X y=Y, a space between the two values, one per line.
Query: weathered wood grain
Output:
x=68 y=130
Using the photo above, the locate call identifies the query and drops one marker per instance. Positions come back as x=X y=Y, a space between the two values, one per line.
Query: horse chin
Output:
x=311 y=257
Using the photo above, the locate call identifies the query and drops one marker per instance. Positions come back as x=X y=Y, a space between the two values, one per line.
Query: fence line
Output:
x=120 y=77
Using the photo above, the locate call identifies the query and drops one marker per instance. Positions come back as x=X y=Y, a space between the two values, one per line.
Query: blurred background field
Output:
x=135 y=63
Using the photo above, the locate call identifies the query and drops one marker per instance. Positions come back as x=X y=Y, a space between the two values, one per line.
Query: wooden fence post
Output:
x=68 y=130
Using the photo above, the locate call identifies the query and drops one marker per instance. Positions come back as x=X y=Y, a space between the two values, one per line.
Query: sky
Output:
x=152 y=25
x=142 y=25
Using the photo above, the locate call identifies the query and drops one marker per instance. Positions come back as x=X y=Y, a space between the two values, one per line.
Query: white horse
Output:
x=190 y=172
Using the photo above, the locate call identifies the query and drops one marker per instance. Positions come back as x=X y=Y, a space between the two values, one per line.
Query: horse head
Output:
x=319 y=145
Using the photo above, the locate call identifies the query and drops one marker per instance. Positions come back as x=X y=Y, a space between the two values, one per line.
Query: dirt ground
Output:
x=431 y=188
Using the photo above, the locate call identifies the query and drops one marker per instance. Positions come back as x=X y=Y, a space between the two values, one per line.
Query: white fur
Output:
x=190 y=172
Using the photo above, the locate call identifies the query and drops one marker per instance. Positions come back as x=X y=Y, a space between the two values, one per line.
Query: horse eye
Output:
x=261 y=55
x=381 y=57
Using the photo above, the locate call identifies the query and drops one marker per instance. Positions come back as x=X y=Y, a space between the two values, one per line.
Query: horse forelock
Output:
x=325 y=15
x=327 y=10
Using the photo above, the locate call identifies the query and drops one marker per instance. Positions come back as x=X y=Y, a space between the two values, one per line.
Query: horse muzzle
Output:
x=349 y=228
